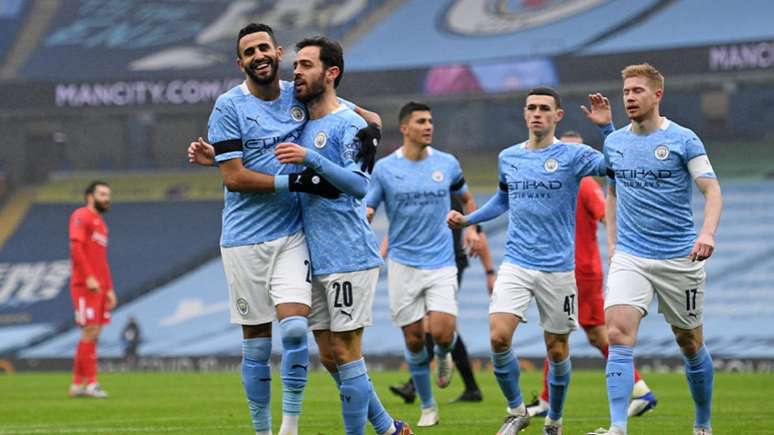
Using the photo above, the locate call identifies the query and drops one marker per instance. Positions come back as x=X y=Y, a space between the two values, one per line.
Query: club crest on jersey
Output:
x=551 y=165
x=437 y=176
x=297 y=113
x=242 y=307
x=662 y=152
x=320 y=140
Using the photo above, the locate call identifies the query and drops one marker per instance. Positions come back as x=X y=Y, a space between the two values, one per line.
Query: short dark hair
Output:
x=409 y=108
x=254 y=28
x=93 y=186
x=544 y=90
x=572 y=133
x=331 y=53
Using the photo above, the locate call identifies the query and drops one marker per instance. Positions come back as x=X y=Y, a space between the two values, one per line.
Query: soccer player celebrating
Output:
x=415 y=183
x=264 y=251
x=656 y=250
x=91 y=286
x=343 y=248
x=589 y=211
x=539 y=181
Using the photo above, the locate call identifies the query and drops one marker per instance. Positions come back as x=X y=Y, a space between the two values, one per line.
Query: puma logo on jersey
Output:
x=348 y=314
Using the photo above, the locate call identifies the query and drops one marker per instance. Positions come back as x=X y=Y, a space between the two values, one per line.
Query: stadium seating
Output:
x=422 y=33
x=189 y=316
x=118 y=39
x=688 y=23
x=12 y=14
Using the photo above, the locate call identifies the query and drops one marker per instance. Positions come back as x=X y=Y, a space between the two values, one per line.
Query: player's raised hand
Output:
x=600 y=113
x=456 y=220
x=703 y=248
x=287 y=152
x=201 y=153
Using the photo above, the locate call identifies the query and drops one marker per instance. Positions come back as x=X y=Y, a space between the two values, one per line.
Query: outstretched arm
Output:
x=493 y=208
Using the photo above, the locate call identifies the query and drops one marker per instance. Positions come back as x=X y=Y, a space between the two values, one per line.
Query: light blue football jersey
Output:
x=653 y=189
x=259 y=125
x=542 y=188
x=337 y=233
x=417 y=199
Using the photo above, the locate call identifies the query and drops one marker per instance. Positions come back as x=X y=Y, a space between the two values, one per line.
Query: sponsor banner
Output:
x=490 y=77
x=711 y=59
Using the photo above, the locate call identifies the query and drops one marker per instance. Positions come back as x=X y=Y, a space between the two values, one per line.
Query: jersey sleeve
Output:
x=588 y=161
x=223 y=131
x=350 y=145
x=592 y=198
x=696 y=159
x=458 y=184
x=375 y=194
x=610 y=172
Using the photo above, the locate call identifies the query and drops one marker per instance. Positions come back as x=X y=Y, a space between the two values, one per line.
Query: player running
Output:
x=654 y=244
x=472 y=392
x=343 y=248
x=539 y=181
x=590 y=210
x=91 y=286
x=415 y=183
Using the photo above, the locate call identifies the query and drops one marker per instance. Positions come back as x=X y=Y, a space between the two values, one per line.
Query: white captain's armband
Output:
x=700 y=167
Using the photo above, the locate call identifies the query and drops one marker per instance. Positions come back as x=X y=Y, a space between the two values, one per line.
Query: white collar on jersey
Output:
x=399 y=152
x=524 y=144
x=665 y=123
x=243 y=88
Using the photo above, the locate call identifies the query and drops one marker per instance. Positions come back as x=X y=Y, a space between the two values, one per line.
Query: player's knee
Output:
x=443 y=338
x=293 y=330
x=415 y=343
x=499 y=342
x=616 y=335
x=689 y=343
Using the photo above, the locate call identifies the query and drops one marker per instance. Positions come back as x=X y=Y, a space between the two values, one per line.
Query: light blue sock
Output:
x=379 y=418
x=256 y=379
x=295 y=362
x=620 y=381
x=700 y=375
x=441 y=351
x=355 y=393
x=507 y=372
x=419 y=366
x=558 y=384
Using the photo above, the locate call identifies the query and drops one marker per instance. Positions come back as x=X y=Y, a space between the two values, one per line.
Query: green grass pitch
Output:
x=213 y=403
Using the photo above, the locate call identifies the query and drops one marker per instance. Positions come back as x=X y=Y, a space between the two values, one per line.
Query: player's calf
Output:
x=256 y=379
x=295 y=364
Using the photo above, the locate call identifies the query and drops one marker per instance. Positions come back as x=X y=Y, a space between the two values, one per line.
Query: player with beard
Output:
x=264 y=251
x=539 y=181
x=245 y=124
x=91 y=286
x=342 y=245
x=416 y=183
x=655 y=250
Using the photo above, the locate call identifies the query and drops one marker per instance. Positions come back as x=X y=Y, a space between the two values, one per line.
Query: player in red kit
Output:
x=91 y=286
x=589 y=212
